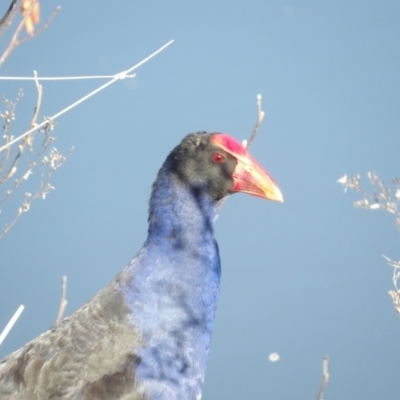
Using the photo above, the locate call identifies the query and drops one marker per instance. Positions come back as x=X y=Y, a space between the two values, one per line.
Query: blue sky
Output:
x=304 y=278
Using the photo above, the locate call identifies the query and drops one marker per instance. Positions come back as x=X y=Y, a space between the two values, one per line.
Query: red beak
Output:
x=249 y=176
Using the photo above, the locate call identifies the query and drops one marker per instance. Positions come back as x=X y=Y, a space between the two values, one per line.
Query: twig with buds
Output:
x=382 y=198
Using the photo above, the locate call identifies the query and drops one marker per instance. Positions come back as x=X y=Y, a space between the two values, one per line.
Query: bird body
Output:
x=147 y=334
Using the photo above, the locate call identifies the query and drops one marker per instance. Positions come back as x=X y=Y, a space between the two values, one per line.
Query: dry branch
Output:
x=10 y=158
x=382 y=198
x=325 y=378
x=63 y=302
x=8 y=12
x=116 y=77
x=15 y=40
x=11 y=323
x=260 y=117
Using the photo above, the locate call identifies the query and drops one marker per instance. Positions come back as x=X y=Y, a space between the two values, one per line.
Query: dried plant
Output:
x=381 y=198
x=13 y=148
x=30 y=17
x=8 y=12
x=325 y=378
x=18 y=162
x=20 y=155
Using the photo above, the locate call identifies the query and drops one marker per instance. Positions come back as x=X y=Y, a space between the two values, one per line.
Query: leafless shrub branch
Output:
x=325 y=378
x=120 y=75
x=381 y=198
x=16 y=38
x=260 y=117
x=25 y=157
x=15 y=151
x=43 y=27
x=8 y=12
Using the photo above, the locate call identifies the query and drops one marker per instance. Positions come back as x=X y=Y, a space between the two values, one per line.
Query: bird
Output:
x=146 y=335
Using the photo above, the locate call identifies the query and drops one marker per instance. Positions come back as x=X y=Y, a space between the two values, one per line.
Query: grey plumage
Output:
x=78 y=359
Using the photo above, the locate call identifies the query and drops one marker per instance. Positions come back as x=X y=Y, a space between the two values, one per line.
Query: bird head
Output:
x=223 y=166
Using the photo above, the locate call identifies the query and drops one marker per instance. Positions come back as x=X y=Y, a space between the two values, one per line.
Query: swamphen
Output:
x=146 y=335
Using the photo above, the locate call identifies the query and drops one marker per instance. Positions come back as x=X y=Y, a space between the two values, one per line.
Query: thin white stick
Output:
x=121 y=75
x=11 y=323
x=62 y=78
x=64 y=301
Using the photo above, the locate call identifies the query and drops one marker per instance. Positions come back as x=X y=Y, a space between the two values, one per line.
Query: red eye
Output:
x=218 y=158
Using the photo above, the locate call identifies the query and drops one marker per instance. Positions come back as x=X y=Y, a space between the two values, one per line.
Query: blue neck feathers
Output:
x=174 y=290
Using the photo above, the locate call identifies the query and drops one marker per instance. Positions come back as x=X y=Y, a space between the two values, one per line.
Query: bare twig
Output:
x=50 y=164
x=8 y=12
x=382 y=198
x=11 y=156
x=39 y=100
x=63 y=302
x=15 y=41
x=260 y=117
x=11 y=323
x=325 y=378
x=7 y=23
x=118 y=76
x=395 y=294
x=27 y=140
x=9 y=116
x=43 y=27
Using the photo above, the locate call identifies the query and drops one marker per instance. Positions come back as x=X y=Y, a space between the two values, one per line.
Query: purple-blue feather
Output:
x=174 y=289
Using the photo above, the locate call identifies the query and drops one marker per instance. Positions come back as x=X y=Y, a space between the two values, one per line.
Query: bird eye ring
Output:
x=218 y=158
